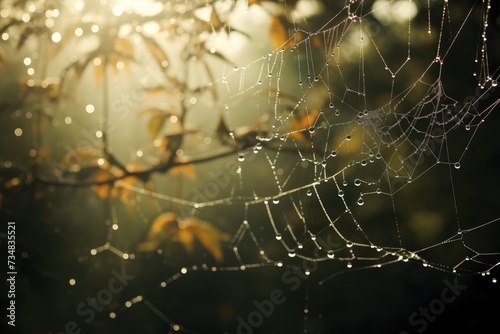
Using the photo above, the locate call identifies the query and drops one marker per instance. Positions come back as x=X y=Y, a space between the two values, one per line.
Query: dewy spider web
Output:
x=329 y=125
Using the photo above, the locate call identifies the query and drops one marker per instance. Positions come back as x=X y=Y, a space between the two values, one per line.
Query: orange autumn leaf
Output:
x=123 y=51
x=209 y=236
x=185 y=169
x=168 y=227
x=118 y=188
x=279 y=33
x=301 y=124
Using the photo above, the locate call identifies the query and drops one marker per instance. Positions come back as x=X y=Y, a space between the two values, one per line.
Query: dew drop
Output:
x=300 y=246
x=361 y=201
x=309 y=192
x=457 y=165
x=276 y=201
x=330 y=254
x=494 y=83
x=341 y=193
x=348 y=137
x=313 y=237
x=278 y=237
x=344 y=183
x=378 y=191
x=291 y=254
x=349 y=244
x=357 y=182
x=331 y=105
x=311 y=129
x=333 y=154
x=241 y=158
x=467 y=127
x=349 y=265
x=494 y=280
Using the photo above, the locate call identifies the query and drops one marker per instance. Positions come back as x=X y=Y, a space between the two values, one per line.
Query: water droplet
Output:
x=378 y=191
x=313 y=237
x=467 y=127
x=357 y=182
x=330 y=254
x=378 y=156
x=361 y=201
x=291 y=254
x=348 y=137
x=494 y=280
x=344 y=183
x=241 y=158
x=333 y=154
x=331 y=105
x=349 y=265
x=363 y=162
x=349 y=244
x=300 y=246
x=309 y=192
x=494 y=83
x=307 y=272
x=311 y=129
x=276 y=201
x=341 y=193
x=278 y=237
x=457 y=165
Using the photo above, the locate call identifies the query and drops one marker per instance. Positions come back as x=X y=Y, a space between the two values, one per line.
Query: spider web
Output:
x=345 y=137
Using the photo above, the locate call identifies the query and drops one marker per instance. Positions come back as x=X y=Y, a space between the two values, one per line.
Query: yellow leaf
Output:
x=210 y=237
x=279 y=34
x=156 y=51
x=186 y=237
x=185 y=169
x=105 y=190
x=160 y=224
x=302 y=123
x=74 y=157
x=99 y=69
x=215 y=20
x=124 y=46
x=155 y=125
x=168 y=227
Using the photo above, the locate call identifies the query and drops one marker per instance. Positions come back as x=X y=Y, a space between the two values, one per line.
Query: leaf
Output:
x=186 y=170
x=118 y=188
x=301 y=124
x=224 y=134
x=168 y=227
x=123 y=46
x=74 y=157
x=279 y=33
x=155 y=125
x=215 y=20
x=154 y=91
x=210 y=237
x=156 y=50
x=159 y=232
